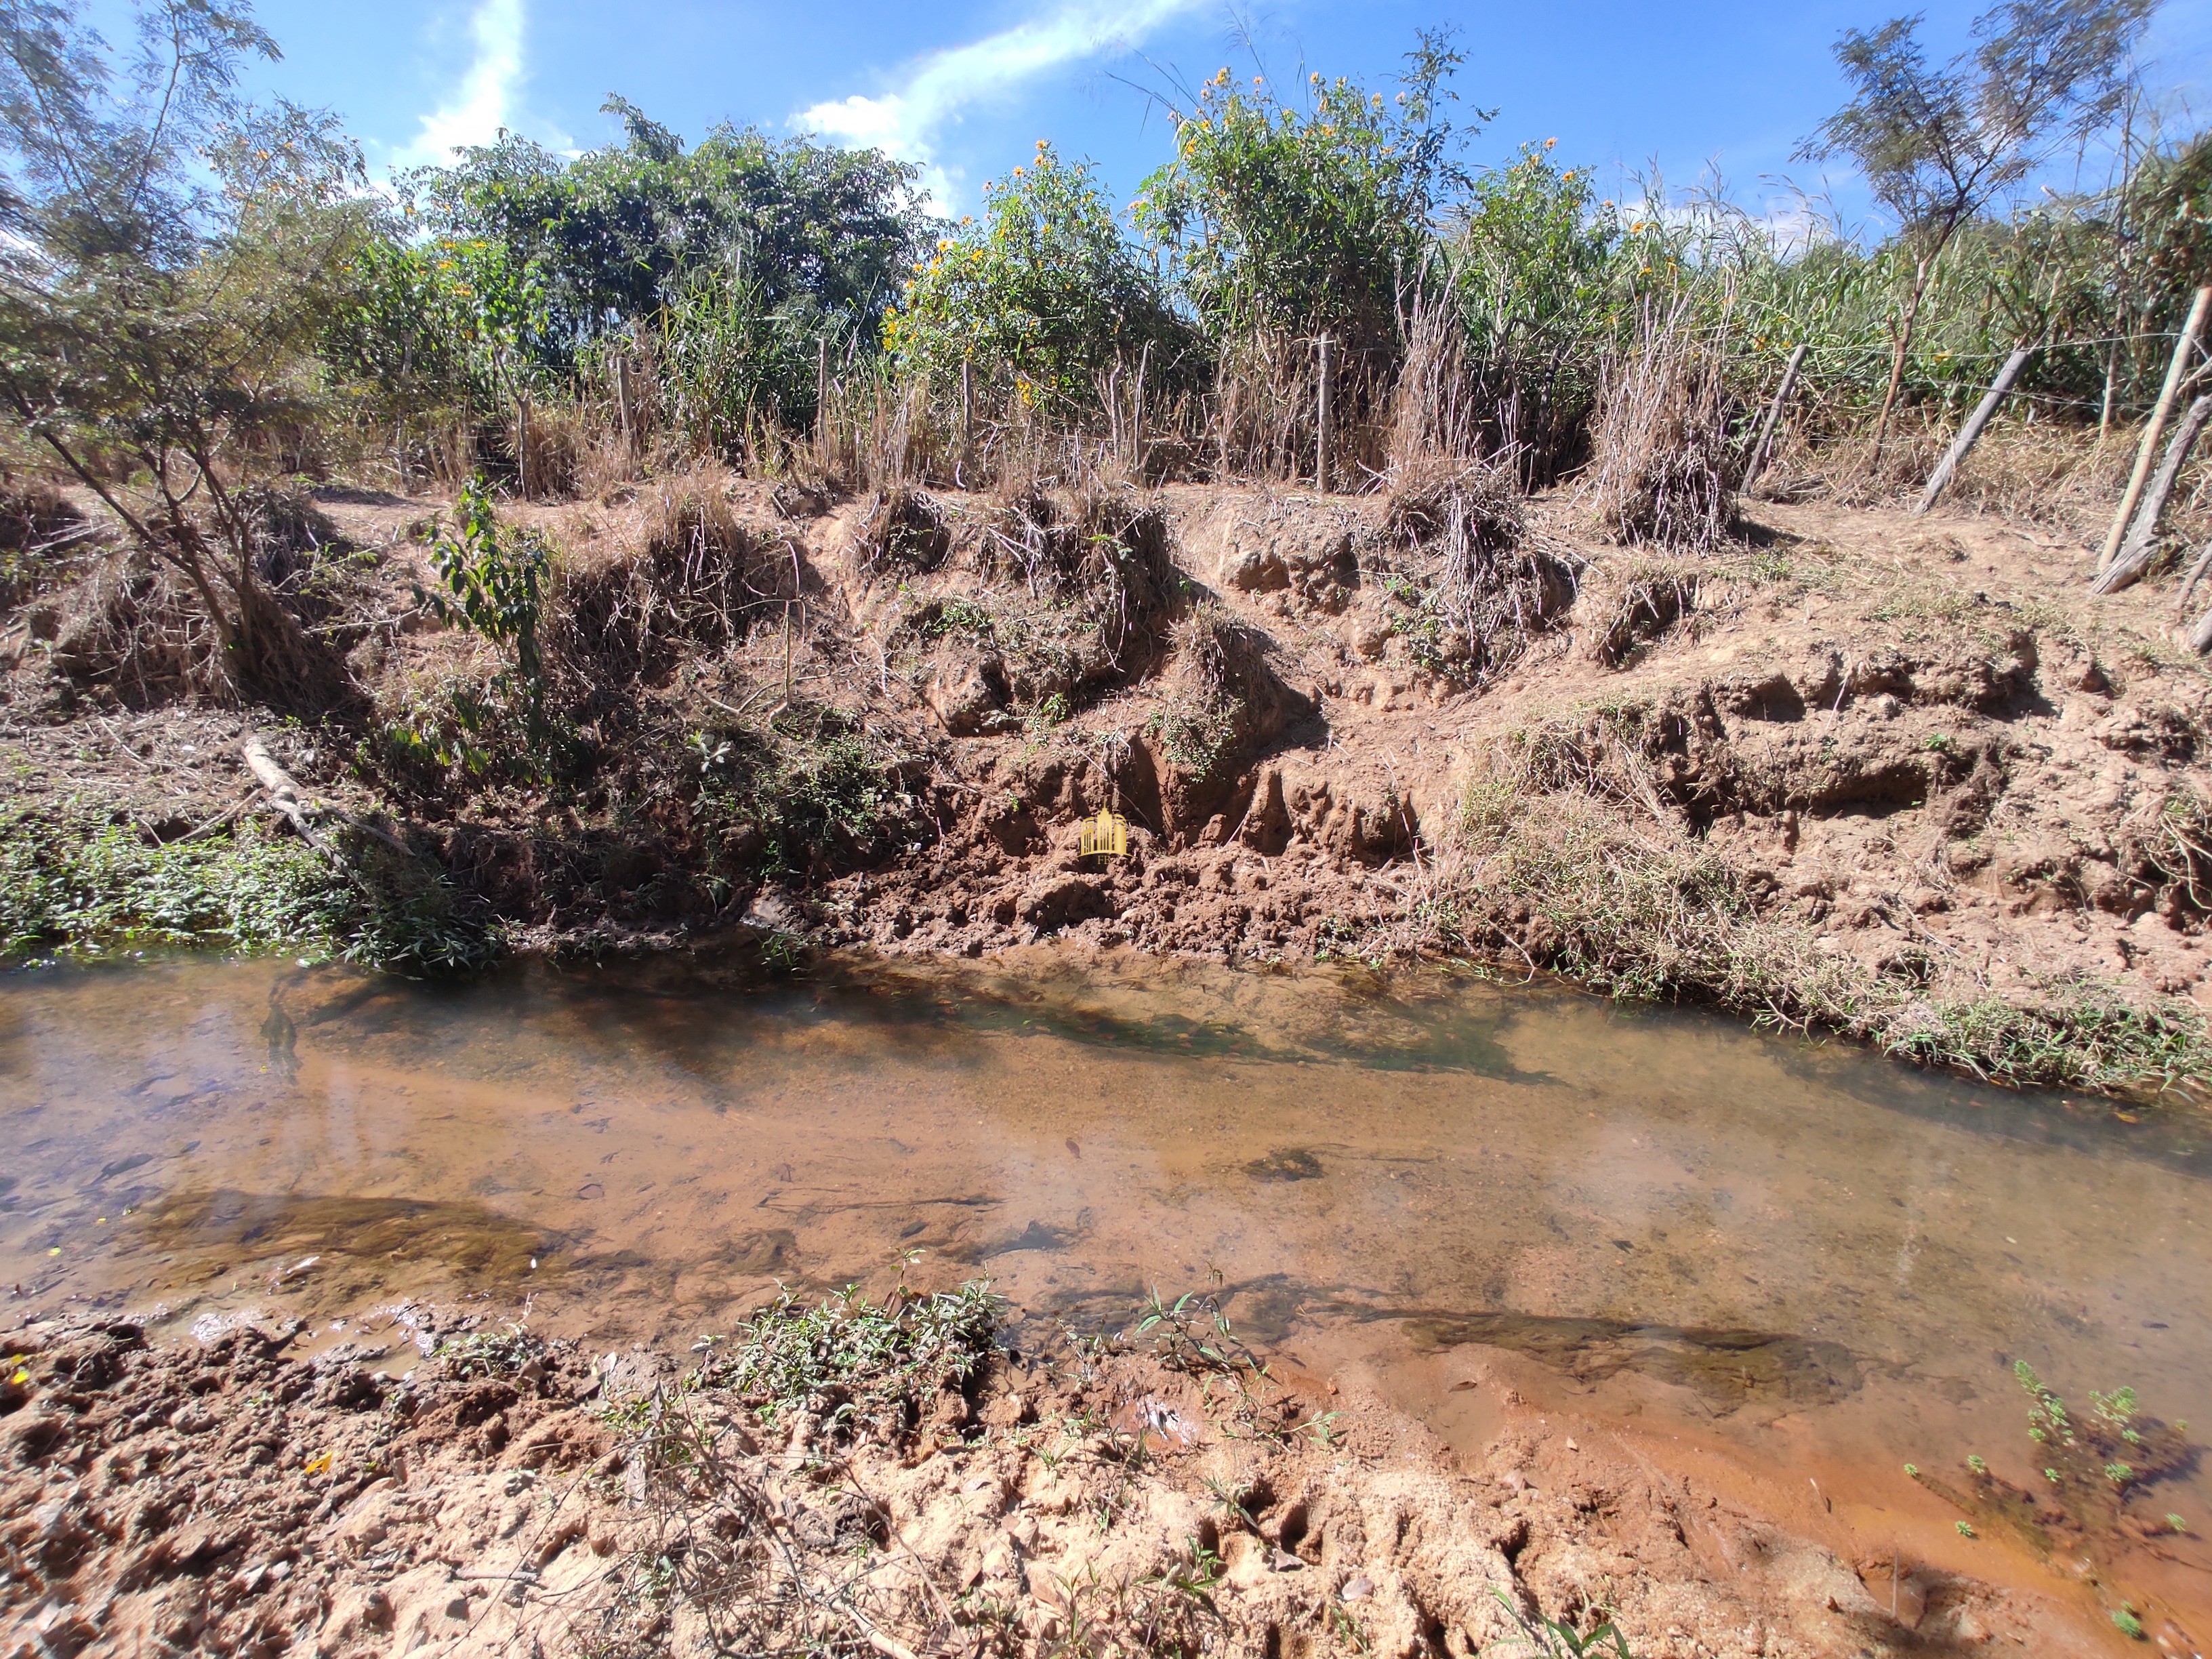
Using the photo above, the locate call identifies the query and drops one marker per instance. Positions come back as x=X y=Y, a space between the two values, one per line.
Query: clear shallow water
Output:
x=1807 y=1257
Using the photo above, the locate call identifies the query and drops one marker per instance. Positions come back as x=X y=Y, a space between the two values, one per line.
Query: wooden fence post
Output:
x=1970 y=434
x=2176 y=372
x=522 y=443
x=1321 y=441
x=1757 y=464
x=621 y=403
x=2142 y=540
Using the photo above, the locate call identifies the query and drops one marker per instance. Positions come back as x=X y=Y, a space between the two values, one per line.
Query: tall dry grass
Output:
x=1666 y=463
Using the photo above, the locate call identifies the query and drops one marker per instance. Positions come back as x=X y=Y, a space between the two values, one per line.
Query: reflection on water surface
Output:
x=1654 y=1215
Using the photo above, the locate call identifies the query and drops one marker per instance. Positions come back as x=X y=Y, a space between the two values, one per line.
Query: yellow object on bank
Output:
x=1106 y=835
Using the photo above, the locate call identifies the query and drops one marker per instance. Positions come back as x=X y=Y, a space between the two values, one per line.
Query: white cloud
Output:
x=485 y=100
x=907 y=122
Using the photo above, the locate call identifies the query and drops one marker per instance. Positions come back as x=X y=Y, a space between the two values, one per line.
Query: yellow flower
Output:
x=1549 y=142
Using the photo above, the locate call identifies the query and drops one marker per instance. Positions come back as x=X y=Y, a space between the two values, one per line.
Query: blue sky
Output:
x=967 y=90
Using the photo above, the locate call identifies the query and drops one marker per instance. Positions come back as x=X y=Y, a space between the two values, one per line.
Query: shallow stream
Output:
x=1799 y=1263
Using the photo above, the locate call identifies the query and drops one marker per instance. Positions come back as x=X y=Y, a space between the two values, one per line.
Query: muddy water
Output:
x=1801 y=1264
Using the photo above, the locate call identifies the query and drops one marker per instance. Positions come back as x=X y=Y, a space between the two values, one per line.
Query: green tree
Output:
x=1040 y=299
x=1282 y=222
x=172 y=254
x=617 y=233
x=1533 y=261
x=1938 y=145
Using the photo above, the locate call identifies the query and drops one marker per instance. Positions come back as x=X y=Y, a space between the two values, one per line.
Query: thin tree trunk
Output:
x=1896 y=359
x=1758 y=462
x=2142 y=535
x=1970 y=434
x=2176 y=372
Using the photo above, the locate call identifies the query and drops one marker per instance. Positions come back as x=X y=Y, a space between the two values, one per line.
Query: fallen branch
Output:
x=228 y=815
x=284 y=794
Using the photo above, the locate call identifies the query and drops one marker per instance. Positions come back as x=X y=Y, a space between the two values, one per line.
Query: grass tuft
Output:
x=847 y=1356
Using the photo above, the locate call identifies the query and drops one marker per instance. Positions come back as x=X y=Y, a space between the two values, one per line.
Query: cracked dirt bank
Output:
x=263 y=1491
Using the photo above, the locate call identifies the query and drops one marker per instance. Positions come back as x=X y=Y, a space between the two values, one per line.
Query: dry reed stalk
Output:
x=1665 y=469
x=1432 y=407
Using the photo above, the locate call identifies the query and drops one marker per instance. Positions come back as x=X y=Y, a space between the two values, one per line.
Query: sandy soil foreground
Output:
x=475 y=1489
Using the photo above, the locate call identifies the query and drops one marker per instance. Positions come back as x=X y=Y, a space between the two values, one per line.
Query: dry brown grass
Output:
x=1566 y=860
x=1664 y=466
x=700 y=578
x=1639 y=598
x=1481 y=579
x=903 y=533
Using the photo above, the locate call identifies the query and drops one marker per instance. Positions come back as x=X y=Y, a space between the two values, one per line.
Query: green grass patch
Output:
x=75 y=885
x=848 y=1356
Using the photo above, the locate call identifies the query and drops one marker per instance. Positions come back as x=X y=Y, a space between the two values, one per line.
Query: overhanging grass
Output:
x=74 y=884
x=1640 y=910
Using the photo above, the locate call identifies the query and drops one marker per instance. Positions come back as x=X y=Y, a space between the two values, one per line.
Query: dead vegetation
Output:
x=1568 y=858
x=1665 y=467
x=1639 y=600
x=1479 y=582
x=700 y=580
x=902 y=533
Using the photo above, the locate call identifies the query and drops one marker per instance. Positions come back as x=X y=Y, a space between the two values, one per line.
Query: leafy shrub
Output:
x=809 y=800
x=1283 y=220
x=1039 y=300
x=1535 y=283
x=494 y=582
